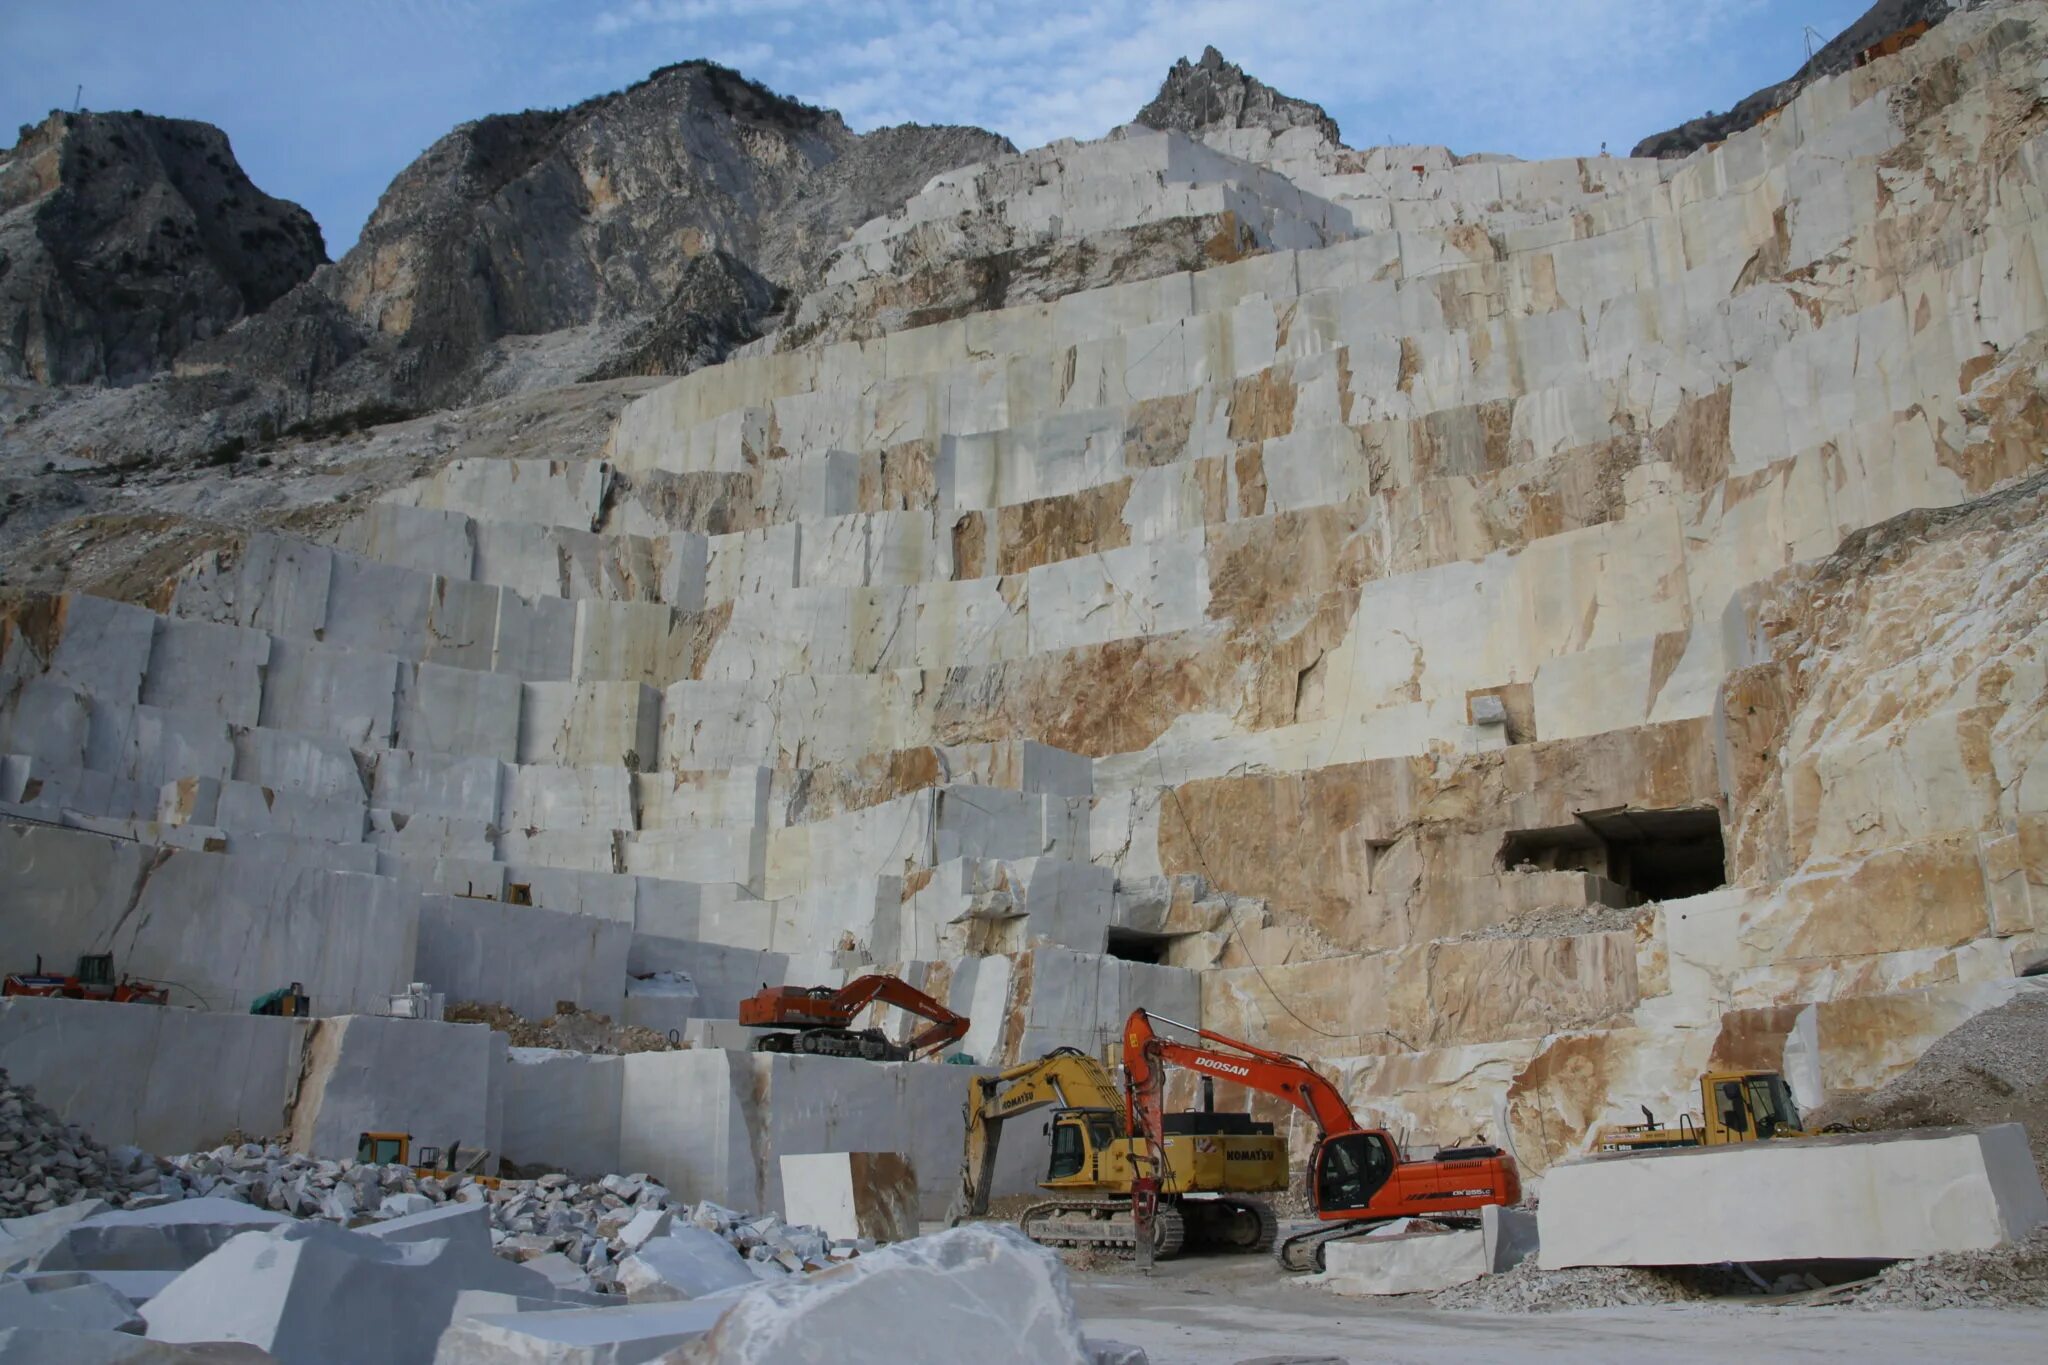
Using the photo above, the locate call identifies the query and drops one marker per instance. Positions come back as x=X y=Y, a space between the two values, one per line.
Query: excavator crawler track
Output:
x=1103 y=1224
x=1301 y=1249
x=1229 y=1223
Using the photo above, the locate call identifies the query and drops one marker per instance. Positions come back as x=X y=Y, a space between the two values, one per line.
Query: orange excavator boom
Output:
x=1357 y=1176
x=821 y=1019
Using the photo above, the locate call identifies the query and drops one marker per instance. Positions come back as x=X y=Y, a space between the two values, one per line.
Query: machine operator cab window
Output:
x=1350 y=1169
x=1069 y=1149
x=1770 y=1100
x=1729 y=1108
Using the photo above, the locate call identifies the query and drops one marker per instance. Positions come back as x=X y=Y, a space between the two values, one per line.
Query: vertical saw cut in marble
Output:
x=851 y=1195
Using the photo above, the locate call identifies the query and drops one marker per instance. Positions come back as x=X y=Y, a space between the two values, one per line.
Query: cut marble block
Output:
x=852 y=1194
x=562 y=1108
x=1863 y=1196
x=1411 y=1263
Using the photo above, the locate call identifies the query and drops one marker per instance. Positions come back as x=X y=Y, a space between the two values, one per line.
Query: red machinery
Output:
x=819 y=1019
x=94 y=980
x=1357 y=1176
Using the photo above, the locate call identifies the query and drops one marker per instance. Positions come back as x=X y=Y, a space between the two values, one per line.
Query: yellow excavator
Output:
x=1213 y=1160
x=1735 y=1106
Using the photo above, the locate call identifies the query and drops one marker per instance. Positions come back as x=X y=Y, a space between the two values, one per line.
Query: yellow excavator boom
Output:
x=1065 y=1077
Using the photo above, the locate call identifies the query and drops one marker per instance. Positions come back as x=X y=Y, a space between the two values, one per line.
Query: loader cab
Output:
x=384 y=1149
x=1079 y=1138
x=1348 y=1169
x=1747 y=1106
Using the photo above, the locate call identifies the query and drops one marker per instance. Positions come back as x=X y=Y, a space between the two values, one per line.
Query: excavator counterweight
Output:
x=818 y=1020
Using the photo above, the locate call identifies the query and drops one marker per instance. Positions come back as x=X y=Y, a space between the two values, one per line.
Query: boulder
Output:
x=167 y=1237
x=1411 y=1263
x=40 y=1346
x=24 y=1240
x=1863 y=1196
x=595 y=1336
x=687 y=1264
x=469 y=1224
x=69 y=1299
x=852 y=1194
x=311 y=1292
x=981 y=1292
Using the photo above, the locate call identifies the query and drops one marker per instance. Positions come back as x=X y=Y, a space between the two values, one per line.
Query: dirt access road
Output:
x=1222 y=1311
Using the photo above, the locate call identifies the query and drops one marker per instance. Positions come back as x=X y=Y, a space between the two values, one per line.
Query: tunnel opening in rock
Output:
x=1135 y=945
x=1640 y=855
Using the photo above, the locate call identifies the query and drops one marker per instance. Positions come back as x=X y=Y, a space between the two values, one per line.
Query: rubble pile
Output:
x=2014 y=1276
x=1992 y=1068
x=568 y=1029
x=592 y=1225
x=46 y=1163
x=1526 y=1289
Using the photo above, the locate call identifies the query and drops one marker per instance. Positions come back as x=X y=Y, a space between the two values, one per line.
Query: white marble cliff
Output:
x=1515 y=633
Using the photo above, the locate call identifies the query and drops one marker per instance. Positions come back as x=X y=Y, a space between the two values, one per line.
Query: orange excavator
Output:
x=818 y=1020
x=1357 y=1176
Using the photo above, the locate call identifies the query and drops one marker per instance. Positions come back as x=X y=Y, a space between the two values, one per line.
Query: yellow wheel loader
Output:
x=1213 y=1161
x=1735 y=1106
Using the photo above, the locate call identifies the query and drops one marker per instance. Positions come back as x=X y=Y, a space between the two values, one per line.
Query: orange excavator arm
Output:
x=1147 y=1055
x=945 y=1026
x=820 y=1007
x=1356 y=1175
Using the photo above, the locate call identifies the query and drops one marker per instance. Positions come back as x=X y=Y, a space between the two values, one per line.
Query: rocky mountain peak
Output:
x=1216 y=93
x=125 y=238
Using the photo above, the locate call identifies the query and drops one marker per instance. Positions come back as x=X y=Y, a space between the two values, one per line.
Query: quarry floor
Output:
x=1224 y=1311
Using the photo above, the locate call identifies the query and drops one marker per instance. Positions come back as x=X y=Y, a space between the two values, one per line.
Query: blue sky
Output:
x=326 y=102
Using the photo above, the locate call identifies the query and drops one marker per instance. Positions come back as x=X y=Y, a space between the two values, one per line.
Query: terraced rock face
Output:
x=1515 y=632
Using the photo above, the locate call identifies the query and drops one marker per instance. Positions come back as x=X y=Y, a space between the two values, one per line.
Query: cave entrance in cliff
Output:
x=1649 y=855
x=1135 y=945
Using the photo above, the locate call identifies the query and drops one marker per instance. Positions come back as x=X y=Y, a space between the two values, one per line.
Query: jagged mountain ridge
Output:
x=649 y=230
x=125 y=238
x=1216 y=93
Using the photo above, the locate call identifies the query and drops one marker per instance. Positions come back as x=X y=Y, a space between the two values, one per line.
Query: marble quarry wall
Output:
x=1514 y=633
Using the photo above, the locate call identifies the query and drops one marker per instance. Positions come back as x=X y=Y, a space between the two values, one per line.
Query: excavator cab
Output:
x=1348 y=1170
x=1080 y=1138
x=1749 y=1106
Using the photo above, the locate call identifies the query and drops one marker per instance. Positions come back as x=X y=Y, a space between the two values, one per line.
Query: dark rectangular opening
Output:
x=1134 y=945
x=1654 y=855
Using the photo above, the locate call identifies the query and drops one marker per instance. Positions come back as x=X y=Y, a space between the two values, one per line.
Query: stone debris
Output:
x=46 y=1163
x=1990 y=1069
x=568 y=1029
x=1527 y=1289
x=2013 y=1276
